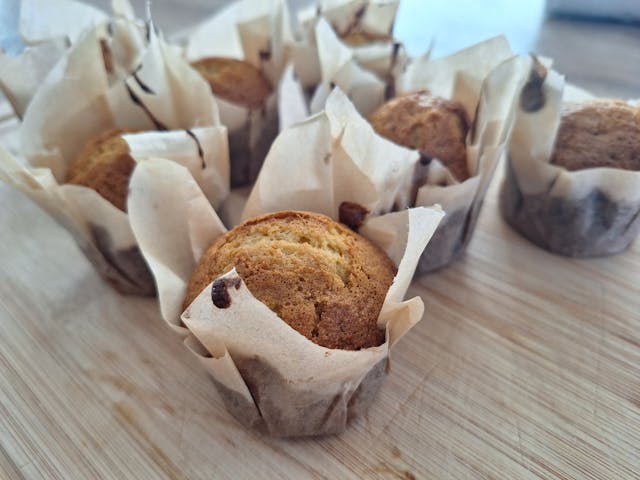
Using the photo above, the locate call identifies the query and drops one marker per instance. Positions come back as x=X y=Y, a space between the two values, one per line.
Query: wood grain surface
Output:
x=526 y=365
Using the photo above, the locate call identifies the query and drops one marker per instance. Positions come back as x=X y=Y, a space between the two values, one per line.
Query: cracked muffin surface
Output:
x=432 y=125
x=104 y=165
x=598 y=133
x=321 y=278
x=234 y=80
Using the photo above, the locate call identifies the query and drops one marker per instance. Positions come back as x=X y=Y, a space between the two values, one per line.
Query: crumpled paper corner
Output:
x=47 y=29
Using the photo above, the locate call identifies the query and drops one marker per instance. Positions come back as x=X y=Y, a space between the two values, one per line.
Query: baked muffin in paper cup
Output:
x=119 y=75
x=579 y=212
x=483 y=81
x=47 y=29
x=348 y=43
x=270 y=377
x=252 y=37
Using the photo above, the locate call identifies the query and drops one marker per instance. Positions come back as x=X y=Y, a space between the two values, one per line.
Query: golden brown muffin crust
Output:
x=324 y=280
x=433 y=125
x=598 y=133
x=104 y=164
x=234 y=80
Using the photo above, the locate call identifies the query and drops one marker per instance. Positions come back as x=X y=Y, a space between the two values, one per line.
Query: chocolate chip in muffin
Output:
x=220 y=291
x=352 y=214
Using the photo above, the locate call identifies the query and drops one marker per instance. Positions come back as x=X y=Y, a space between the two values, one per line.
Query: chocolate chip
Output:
x=136 y=99
x=106 y=55
x=265 y=55
x=145 y=88
x=360 y=13
x=396 y=48
x=532 y=97
x=389 y=90
x=220 y=291
x=148 y=28
x=199 y=146
x=425 y=159
x=352 y=215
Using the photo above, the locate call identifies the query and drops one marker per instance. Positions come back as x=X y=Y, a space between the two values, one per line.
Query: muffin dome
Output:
x=104 y=164
x=434 y=126
x=324 y=280
x=236 y=81
x=598 y=133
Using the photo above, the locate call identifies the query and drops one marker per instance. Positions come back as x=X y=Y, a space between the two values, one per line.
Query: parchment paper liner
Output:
x=580 y=213
x=365 y=72
x=81 y=99
x=47 y=29
x=270 y=376
x=22 y=75
x=484 y=78
x=258 y=32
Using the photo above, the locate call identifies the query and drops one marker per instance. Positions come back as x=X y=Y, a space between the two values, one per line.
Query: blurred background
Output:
x=595 y=43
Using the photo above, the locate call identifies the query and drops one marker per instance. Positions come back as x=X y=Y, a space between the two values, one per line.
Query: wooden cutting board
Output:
x=525 y=365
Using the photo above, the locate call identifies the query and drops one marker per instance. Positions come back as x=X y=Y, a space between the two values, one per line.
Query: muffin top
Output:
x=233 y=80
x=598 y=133
x=433 y=125
x=104 y=164
x=324 y=280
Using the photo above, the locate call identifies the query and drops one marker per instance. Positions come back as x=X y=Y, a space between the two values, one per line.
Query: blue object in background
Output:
x=10 y=40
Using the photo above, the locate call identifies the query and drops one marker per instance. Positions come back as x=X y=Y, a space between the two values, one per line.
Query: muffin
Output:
x=321 y=278
x=256 y=294
x=236 y=81
x=598 y=133
x=435 y=126
x=578 y=195
x=104 y=165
